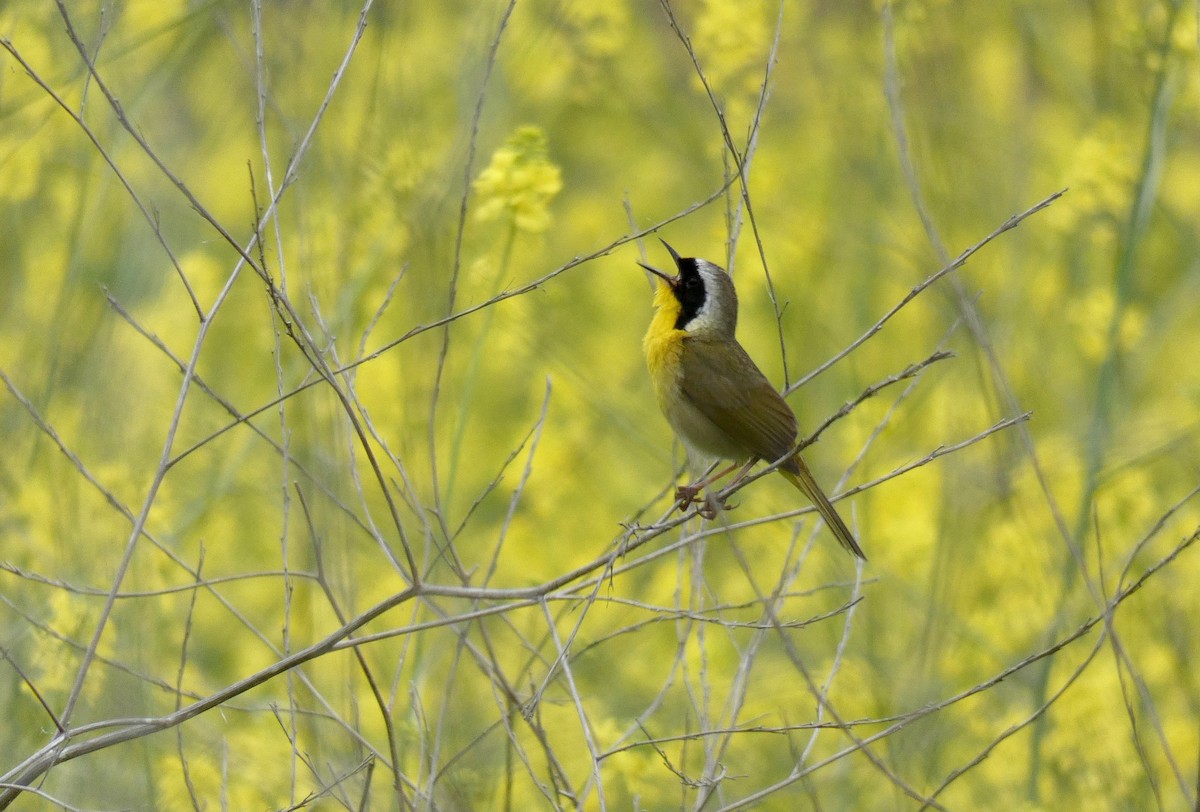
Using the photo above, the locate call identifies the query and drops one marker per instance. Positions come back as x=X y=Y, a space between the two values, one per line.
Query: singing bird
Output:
x=712 y=393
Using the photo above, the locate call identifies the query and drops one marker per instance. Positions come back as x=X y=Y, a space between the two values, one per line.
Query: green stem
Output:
x=471 y=377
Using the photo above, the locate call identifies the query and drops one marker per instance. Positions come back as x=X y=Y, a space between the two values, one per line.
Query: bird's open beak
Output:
x=670 y=280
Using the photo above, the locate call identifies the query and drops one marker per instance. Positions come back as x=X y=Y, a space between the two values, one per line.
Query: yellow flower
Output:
x=520 y=181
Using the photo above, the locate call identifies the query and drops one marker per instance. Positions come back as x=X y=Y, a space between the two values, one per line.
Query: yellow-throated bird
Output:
x=713 y=395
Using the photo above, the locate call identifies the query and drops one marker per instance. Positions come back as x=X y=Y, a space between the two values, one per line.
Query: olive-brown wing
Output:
x=721 y=380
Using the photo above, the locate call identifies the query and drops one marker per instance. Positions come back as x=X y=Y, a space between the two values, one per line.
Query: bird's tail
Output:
x=798 y=474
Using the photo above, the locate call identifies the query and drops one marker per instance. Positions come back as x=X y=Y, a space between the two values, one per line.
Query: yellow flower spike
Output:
x=520 y=181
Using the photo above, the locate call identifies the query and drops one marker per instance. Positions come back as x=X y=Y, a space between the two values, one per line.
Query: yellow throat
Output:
x=663 y=343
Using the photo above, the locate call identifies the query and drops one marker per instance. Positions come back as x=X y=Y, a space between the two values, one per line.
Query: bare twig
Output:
x=959 y=261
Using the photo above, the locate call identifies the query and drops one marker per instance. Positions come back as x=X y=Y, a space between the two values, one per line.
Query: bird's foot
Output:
x=710 y=504
x=685 y=495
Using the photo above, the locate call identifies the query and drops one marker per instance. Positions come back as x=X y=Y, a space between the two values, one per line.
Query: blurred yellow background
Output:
x=431 y=359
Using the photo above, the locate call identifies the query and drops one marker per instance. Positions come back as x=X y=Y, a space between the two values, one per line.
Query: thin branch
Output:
x=150 y=219
x=459 y=234
x=1007 y=225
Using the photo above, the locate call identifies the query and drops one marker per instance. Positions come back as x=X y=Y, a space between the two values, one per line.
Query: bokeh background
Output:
x=419 y=394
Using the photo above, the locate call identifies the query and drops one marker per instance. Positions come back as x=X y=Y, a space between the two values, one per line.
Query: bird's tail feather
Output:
x=802 y=478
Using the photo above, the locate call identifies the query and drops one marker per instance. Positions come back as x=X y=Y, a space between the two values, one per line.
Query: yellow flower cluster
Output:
x=520 y=181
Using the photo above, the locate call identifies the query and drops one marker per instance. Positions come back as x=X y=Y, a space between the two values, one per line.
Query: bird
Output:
x=717 y=400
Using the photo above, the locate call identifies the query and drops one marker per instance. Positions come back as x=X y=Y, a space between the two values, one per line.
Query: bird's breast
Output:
x=663 y=346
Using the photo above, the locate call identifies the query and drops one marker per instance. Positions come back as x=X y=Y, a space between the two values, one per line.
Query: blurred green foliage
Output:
x=467 y=152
